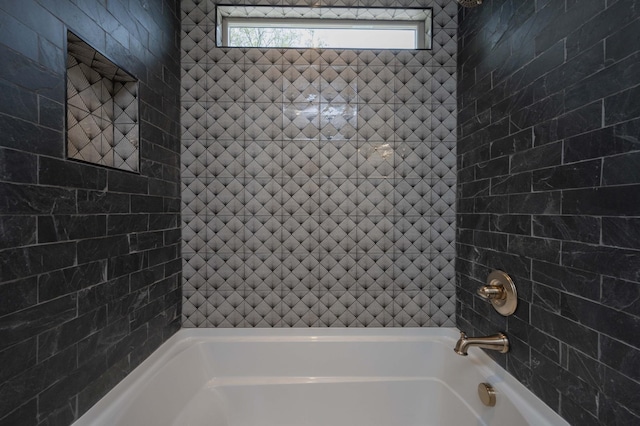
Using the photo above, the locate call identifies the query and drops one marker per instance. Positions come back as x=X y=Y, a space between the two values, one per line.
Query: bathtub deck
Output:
x=316 y=377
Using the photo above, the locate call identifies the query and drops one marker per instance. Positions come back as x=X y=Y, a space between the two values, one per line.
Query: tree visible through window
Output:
x=273 y=37
x=370 y=35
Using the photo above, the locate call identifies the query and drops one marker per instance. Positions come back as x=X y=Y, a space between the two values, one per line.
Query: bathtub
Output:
x=316 y=377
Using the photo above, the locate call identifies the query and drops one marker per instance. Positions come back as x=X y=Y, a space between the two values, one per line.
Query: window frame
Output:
x=255 y=16
x=317 y=23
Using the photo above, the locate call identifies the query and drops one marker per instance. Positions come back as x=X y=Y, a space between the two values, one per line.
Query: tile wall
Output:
x=318 y=185
x=549 y=191
x=89 y=256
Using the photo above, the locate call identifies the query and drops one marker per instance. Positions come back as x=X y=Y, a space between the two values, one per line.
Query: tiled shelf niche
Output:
x=102 y=109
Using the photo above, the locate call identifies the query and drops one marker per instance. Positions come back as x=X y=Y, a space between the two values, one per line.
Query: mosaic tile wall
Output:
x=318 y=185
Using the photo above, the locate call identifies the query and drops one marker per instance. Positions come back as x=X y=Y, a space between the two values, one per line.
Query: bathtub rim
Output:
x=528 y=403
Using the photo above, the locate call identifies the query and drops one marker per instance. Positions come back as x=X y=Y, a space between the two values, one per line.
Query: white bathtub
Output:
x=316 y=377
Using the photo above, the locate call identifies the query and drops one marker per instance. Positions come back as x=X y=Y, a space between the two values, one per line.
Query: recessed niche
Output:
x=102 y=109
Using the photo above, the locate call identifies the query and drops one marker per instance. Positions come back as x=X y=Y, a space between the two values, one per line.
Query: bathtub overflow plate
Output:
x=487 y=394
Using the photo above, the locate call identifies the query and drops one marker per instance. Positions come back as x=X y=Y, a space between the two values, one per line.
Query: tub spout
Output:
x=497 y=342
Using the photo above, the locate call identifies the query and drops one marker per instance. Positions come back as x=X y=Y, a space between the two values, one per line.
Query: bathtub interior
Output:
x=233 y=379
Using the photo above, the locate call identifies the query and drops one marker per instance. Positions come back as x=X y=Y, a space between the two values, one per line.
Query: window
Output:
x=335 y=27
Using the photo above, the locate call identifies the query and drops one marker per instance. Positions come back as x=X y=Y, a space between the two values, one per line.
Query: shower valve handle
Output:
x=492 y=291
x=501 y=292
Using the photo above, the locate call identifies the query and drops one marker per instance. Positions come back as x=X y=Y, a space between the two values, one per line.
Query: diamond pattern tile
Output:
x=318 y=186
x=102 y=109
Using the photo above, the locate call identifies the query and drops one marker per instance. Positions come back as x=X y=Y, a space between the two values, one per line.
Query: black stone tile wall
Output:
x=89 y=256
x=549 y=191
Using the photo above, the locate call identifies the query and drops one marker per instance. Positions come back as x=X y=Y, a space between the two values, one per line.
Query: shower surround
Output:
x=318 y=185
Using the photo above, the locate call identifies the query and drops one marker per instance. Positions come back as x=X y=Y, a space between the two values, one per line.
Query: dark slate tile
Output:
x=617 y=45
x=490 y=240
x=496 y=204
x=96 y=202
x=613 y=323
x=99 y=342
x=552 y=57
x=535 y=248
x=568 y=228
x=621 y=295
x=574 y=412
x=18 y=167
x=547 y=298
x=18 y=36
x=173 y=267
x=473 y=221
x=511 y=223
x=606 y=201
x=173 y=205
x=127 y=182
x=577 y=175
x=30 y=137
x=70 y=227
x=511 y=184
x=126 y=264
x=102 y=248
x=101 y=294
x=622 y=106
x=611 y=79
x=28 y=74
x=519 y=102
x=575 y=69
x=496 y=167
x=622 y=389
x=603 y=260
x=565 y=330
x=31 y=381
x=545 y=344
x=18 y=358
x=126 y=223
x=25 y=415
x=564 y=22
x=146 y=204
x=69 y=333
x=511 y=144
x=146 y=277
x=569 y=386
x=103 y=384
x=64 y=391
x=71 y=174
x=537 y=158
x=536 y=203
x=51 y=113
x=18 y=295
x=610 y=413
x=621 y=357
x=32 y=260
x=31 y=199
x=161 y=255
x=614 y=17
x=147 y=241
x=172 y=236
x=621 y=232
x=581 y=120
x=545 y=391
x=65 y=281
x=538 y=112
x=17 y=102
x=17 y=231
x=594 y=144
x=621 y=169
